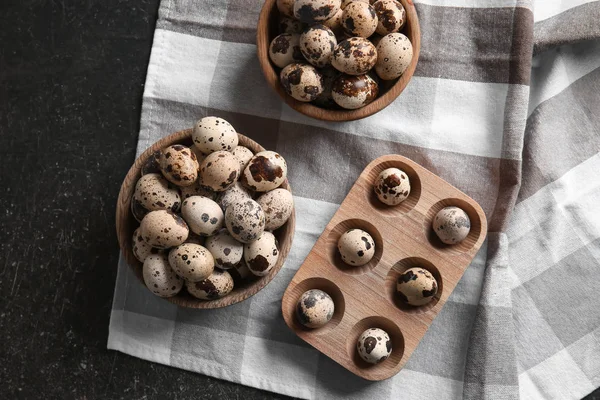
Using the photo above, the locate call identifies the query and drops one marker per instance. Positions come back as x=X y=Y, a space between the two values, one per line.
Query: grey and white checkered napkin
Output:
x=517 y=132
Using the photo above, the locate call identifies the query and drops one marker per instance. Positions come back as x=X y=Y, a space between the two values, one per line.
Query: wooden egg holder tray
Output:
x=365 y=297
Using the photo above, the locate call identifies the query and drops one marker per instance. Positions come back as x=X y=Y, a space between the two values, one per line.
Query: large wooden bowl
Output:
x=266 y=31
x=126 y=225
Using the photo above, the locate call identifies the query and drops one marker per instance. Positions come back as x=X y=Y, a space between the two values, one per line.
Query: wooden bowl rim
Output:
x=124 y=221
x=311 y=110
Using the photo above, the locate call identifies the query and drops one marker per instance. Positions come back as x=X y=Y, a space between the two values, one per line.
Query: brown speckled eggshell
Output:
x=374 y=345
x=290 y=25
x=392 y=186
x=301 y=81
x=394 y=54
x=191 y=261
x=262 y=254
x=359 y=19
x=217 y=285
x=391 y=16
x=140 y=248
x=159 y=277
x=317 y=44
x=286 y=7
x=219 y=170
x=285 y=50
x=226 y=251
x=315 y=308
x=163 y=229
x=245 y=221
x=203 y=215
x=214 y=134
x=266 y=171
x=452 y=225
x=352 y=92
x=416 y=286
x=354 y=56
x=243 y=154
x=153 y=192
x=277 y=205
x=179 y=165
x=312 y=11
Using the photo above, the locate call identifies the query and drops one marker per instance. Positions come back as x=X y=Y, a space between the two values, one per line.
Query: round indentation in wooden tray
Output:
x=473 y=236
x=415 y=188
x=374 y=371
x=334 y=254
x=316 y=283
x=398 y=269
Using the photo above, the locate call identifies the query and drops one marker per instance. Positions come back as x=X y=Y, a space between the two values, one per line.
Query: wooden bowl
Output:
x=266 y=31
x=366 y=297
x=126 y=225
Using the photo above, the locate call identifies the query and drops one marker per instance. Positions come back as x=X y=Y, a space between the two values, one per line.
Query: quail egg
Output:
x=277 y=205
x=312 y=11
x=219 y=170
x=152 y=164
x=290 y=25
x=394 y=54
x=346 y=2
x=191 y=261
x=140 y=248
x=245 y=221
x=354 y=91
x=317 y=44
x=286 y=7
x=314 y=308
x=452 y=225
x=266 y=171
x=203 y=215
x=356 y=247
x=285 y=49
x=261 y=255
x=354 y=56
x=391 y=16
x=392 y=186
x=226 y=251
x=159 y=277
x=416 y=286
x=163 y=229
x=359 y=19
x=374 y=345
x=243 y=154
x=214 y=134
x=197 y=189
x=240 y=270
x=153 y=192
x=301 y=81
x=335 y=23
x=179 y=165
x=217 y=285
x=235 y=194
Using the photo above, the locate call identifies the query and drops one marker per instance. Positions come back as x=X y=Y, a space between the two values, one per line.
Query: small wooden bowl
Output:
x=126 y=225
x=266 y=31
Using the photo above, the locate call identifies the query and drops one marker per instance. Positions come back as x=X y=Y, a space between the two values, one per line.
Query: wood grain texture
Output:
x=365 y=297
x=389 y=90
x=126 y=225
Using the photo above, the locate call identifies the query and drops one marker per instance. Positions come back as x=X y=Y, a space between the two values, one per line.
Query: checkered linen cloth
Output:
x=504 y=104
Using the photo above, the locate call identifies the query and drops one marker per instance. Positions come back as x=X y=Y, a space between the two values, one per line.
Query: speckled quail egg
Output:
x=218 y=284
x=346 y=2
x=335 y=23
x=245 y=221
x=203 y=215
x=312 y=11
x=290 y=25
x=226 y=251
x=243 y=154
x=235 y=194
x=152 y=164
x=200 y=156
x=301 y=81
x=159 y=277
x=359 y=19
x=374 y=345
x=356 y=247
x=394 y=54
x=277 y=205
x=325 y=99
x=354 y=56
x=354 y=91
x=262 y=254
x=219 y=170
x=452 y=225
x=266 y=171
x=286 y=7
x=163 y=229
x=391 y=16
x=240 y=270
x=416 y=286
x=314 y=308
x=137 y=209
x=197 y=189
x=192 y=262
x=317 y=44
x=214 y=134
x=392 y=186
x=154 y=192
x=285 y=49
x=179 y=165
x=140 y=248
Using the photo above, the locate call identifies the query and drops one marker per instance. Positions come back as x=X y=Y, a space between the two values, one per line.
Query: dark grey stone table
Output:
x=71 y=81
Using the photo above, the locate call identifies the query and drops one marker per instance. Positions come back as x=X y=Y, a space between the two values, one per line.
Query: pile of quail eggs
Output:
x=335 y=53
x=207 y=213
